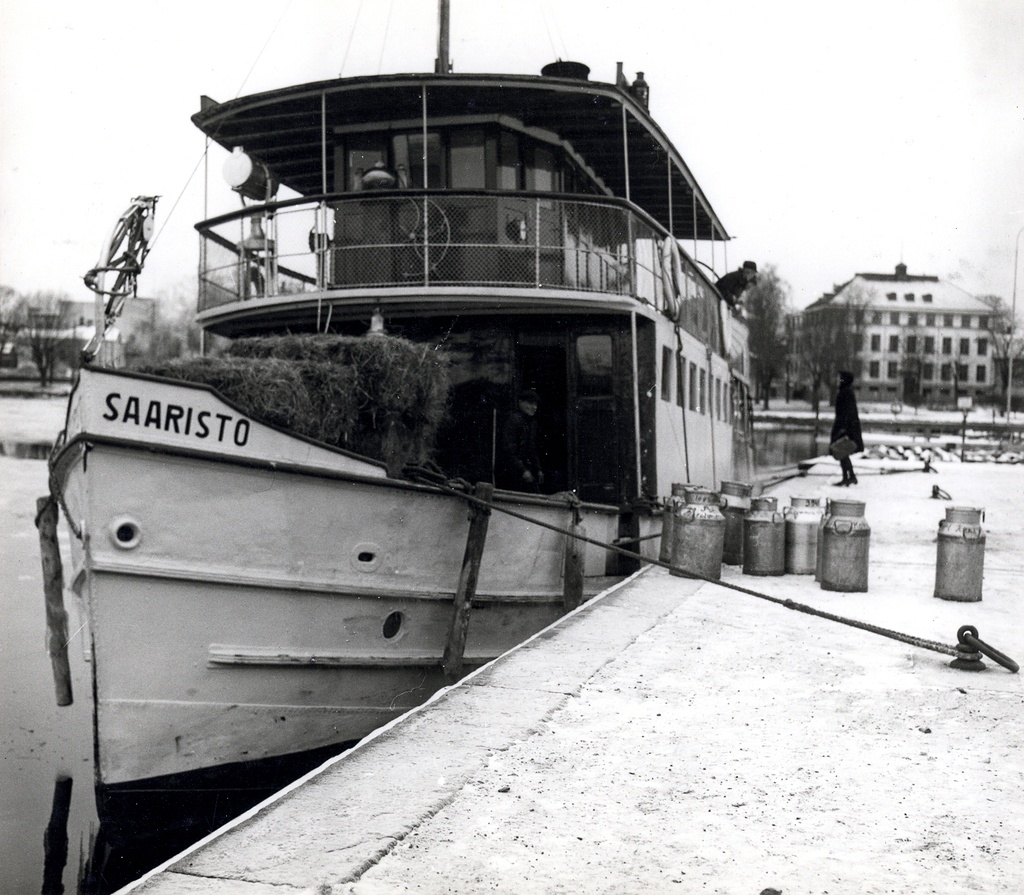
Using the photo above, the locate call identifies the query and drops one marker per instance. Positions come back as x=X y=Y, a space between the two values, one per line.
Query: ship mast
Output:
x=442 y=64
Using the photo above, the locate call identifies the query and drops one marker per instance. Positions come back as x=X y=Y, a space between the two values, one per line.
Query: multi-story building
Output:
x=920 y=340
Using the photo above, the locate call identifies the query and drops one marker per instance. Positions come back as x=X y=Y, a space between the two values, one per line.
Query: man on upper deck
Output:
x=733 y=285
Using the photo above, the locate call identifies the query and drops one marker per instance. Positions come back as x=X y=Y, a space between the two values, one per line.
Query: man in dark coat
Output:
x=733 y=285
x=518 y=466
x=847 y=423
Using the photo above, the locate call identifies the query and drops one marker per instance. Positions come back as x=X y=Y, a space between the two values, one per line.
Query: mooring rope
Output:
x=460 y=488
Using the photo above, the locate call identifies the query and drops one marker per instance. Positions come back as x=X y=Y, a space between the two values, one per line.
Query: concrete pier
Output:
x=678 y=736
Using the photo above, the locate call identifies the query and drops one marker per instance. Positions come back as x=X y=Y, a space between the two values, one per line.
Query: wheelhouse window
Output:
x=467 y=159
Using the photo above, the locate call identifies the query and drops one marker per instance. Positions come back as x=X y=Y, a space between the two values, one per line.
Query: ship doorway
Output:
x=578 y=438
x=543 y=368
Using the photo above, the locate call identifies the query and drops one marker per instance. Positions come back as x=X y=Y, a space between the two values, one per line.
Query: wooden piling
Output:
x=53 y=591
x=479 y=517
x=572 y=584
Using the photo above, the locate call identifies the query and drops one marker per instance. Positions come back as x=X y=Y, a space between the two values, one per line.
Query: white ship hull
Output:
x=251 y=594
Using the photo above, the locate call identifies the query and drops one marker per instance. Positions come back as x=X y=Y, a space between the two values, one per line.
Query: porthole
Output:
x=392 y=625
x=125 y=533
x=366 y=557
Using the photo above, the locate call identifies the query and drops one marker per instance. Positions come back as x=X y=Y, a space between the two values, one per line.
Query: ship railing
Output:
x=400 y=239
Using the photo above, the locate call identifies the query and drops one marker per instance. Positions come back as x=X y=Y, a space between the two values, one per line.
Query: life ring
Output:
x=671 y=276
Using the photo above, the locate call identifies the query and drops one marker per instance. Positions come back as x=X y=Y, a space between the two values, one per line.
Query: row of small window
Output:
x=909 y=296
x=694 y=386
x=946 y=372
x=927 y=345
x=967 y=321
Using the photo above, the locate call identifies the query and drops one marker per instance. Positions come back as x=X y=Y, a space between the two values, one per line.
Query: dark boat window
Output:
x=407 y=160
x=509 y=162
x=594 y=365
x=467 y=159
x=362 y=158
x=541 y=174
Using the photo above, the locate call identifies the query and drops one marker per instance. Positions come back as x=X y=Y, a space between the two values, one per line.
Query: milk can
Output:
x=826 y=512
x=736 y=496
x=844 y=547
x=960 y=564
x=802 y=518
x=698 y=535
x=667 y=520
x=764 y=538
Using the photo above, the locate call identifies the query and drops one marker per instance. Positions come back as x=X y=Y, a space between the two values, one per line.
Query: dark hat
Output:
x=528 y=394
x=846 y=377
x=750 y=265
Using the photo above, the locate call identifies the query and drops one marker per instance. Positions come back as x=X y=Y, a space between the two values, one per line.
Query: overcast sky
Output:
x=831 y=137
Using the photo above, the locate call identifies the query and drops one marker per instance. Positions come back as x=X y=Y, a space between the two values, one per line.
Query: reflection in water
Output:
x=774 y=448
x=55 y=839
x=141 y=828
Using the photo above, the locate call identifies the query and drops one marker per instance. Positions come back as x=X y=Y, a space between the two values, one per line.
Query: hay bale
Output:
x=381 y=396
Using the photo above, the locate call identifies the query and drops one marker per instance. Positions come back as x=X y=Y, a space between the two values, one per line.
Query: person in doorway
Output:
x=518 y=466
x=847 y=423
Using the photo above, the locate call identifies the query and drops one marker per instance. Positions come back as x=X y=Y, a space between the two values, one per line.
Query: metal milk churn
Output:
x=844 y=547
x=960 y=564
x=736 y=496
x=827 y=511
x=698 y=535
x=668 y=520
x=764 y=538
x=803 y=519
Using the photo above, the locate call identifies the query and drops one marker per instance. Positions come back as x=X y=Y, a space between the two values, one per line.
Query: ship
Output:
x=252 y=593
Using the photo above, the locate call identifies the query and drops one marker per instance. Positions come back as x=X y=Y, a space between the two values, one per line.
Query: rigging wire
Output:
x=546 y=11
x=351 y=35
x=206 y=147
x=384 y=42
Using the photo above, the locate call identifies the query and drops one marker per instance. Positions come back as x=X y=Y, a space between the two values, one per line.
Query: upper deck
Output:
x=481 y=184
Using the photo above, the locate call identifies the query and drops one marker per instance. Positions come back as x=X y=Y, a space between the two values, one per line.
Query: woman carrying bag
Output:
x=846 y=438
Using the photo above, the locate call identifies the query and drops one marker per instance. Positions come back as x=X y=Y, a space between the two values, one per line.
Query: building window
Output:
x=911 y=344
x=876 y=317
x=873 y=370
x=962 y=373
x=927 y=297
x=928 y=372
x=979 y=373
x=947 y=345
x=909 y=296
x=680 y=380
x=911 y=319
x=693 y=386
x=894 y=343
x=947 y=320
x=946 y=372
x=891 y=296
x=929 y=320
x=982 y=347
x=983 y=323
x=876 y=342
x=929 y=344
x=893 y=369
x=894 y=318
x=965 y=346
x=965 y=321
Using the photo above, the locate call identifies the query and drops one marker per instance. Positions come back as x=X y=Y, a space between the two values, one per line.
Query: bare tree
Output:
x=171 y=332
x=829 y=339
x=765 y=303
x=46 y=332
x=1005 y=341
x=12 y=319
